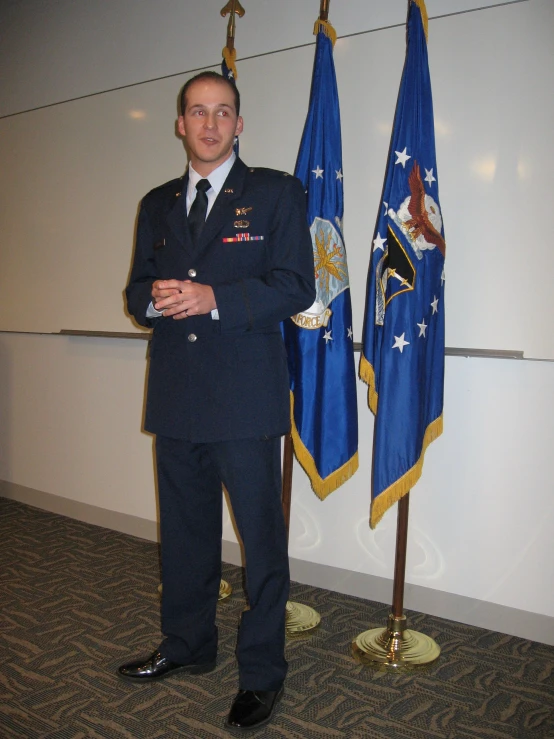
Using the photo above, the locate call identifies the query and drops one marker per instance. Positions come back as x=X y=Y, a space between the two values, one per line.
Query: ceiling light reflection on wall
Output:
x=484 y=168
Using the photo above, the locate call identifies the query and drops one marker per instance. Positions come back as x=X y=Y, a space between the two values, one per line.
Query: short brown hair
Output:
x=209 y=76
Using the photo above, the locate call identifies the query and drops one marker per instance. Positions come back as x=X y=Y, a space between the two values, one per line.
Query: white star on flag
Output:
x=339 y=174
x=400 y=343
x=422 y=328
x=443 y=277
x=402 y=157
x=350 y=332
x=386 y=206
x=435 y=304
x=327 y=336
x=379 y=243
x=429 y=176
x=318 y=172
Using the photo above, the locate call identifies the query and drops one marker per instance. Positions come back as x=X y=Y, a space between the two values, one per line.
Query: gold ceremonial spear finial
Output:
x=324 y=10
x=229 y=52
x=234 y=8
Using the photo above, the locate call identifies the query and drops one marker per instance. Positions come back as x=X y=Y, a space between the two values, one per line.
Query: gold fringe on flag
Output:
x=321 y=487
x=230 y=55
x=424 y=16
x=368 y=376
x=326 y=28
x=398 y=489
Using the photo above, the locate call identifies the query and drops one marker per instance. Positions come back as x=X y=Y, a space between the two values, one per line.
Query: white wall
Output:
x=56 y=50
x=481 y=518
x=70 y=408
x=91 y=160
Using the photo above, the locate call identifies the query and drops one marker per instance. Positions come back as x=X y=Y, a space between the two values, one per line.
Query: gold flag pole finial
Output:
x=233 y=8
x=322 y=23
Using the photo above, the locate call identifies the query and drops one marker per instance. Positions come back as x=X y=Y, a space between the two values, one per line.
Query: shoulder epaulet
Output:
x=168 y=188
x=268 y=172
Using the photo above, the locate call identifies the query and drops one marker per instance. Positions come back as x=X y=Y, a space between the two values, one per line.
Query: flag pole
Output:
x=233 y=7
x=324 y=10
x=405 y=390
x=300 y=619
x=396 y=647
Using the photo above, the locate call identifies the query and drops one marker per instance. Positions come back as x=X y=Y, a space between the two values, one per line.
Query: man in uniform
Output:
x=222 y=256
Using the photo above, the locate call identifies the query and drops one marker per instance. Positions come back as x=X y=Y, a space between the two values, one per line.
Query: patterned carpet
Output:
x=77 y=600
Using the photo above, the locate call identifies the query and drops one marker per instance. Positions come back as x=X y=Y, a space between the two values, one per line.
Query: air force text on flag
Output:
x=403 y=341
x=320 y=340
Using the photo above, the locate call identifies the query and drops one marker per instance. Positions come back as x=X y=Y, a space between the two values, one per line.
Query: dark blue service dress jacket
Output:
x=217 y=380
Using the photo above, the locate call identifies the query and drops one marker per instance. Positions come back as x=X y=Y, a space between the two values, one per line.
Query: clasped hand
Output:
x=182 y=299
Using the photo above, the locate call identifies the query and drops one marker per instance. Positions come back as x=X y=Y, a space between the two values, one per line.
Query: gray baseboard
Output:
x=127 y=524
x=513 y=621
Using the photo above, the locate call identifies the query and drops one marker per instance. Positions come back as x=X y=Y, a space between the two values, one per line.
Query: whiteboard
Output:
x=73 y=174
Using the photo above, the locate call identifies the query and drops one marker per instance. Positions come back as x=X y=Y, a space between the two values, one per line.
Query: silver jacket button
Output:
x=192 y=273
x=192 y=337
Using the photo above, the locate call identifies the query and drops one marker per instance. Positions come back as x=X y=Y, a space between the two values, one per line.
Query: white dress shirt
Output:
x=216 y=179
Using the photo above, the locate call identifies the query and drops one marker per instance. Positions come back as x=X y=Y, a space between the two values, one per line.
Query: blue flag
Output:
x=229 y=71
x=403 y=341
x=228 y=67
x=320 y=340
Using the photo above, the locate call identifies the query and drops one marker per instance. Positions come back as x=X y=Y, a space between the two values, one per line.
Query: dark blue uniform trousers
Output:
x=190 y=497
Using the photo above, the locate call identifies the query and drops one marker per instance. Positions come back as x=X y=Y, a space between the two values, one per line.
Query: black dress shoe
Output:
x=157 y=667
x=252 y=709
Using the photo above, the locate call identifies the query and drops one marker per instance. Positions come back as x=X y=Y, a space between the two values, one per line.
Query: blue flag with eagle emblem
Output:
x=403 y=340
x=320 y=340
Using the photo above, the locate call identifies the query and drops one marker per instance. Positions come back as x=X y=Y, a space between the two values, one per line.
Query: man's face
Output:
x=209 y=124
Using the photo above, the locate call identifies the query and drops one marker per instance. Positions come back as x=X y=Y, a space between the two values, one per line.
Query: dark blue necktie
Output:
x=198 y=210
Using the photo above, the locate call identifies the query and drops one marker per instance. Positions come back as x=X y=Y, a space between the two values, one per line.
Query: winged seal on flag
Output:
x=331 y=273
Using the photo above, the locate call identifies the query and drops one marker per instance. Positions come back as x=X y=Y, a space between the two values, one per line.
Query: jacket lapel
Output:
x=177 y=216
x=220 y=214
x=222 y=211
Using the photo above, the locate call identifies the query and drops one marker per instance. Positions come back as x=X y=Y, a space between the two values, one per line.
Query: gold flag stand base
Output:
x=225 y=590
x=300 y=619
x=395 y=648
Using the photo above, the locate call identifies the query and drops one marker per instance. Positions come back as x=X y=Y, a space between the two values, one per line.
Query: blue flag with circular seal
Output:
x=320 y=340
x=403 y=339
